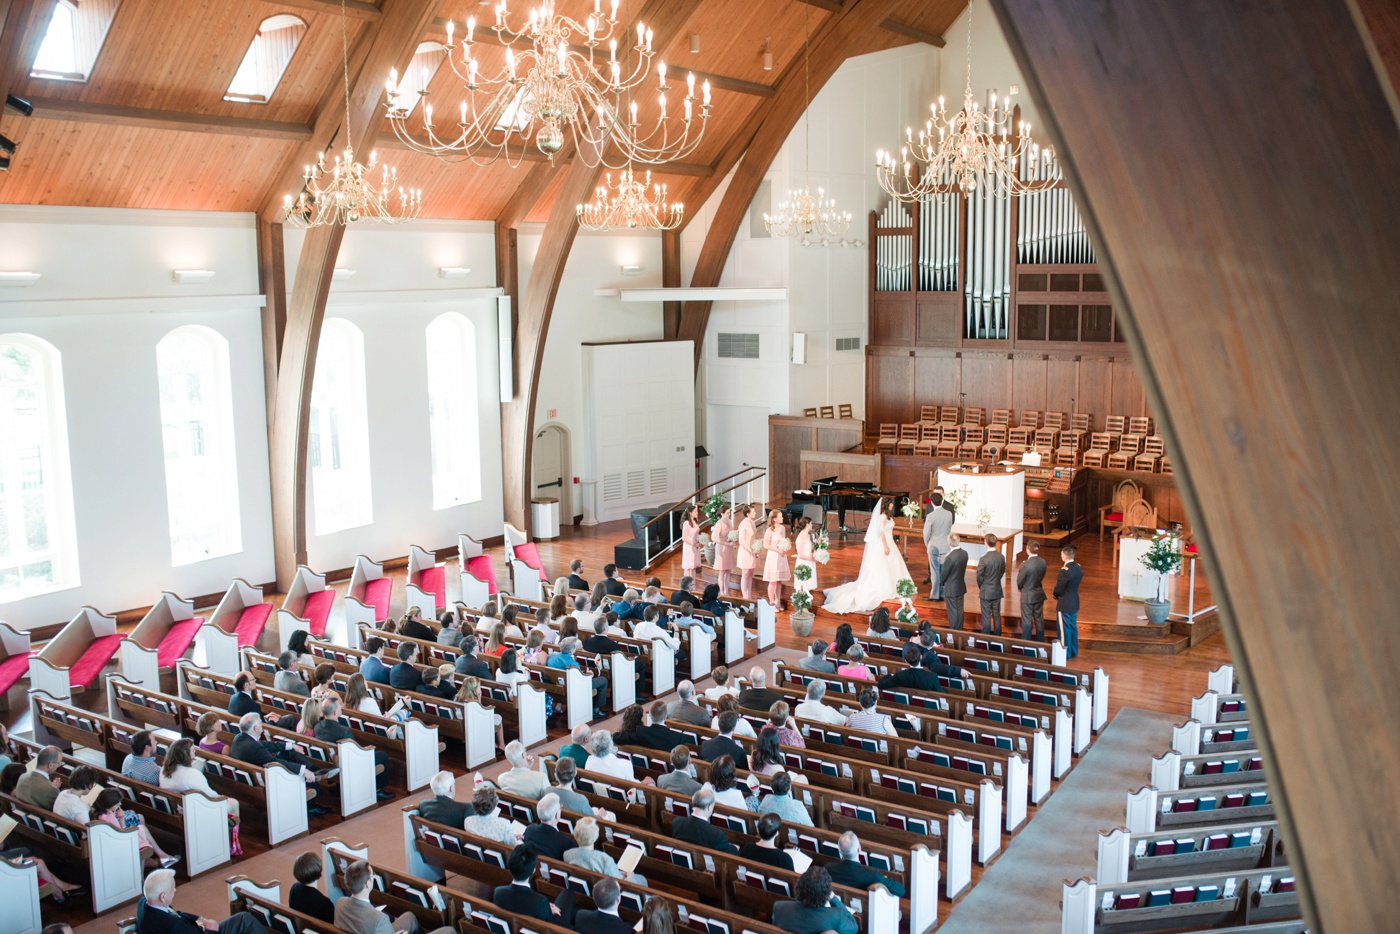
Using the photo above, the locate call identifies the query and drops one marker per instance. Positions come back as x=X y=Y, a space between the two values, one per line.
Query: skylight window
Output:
x=426 y=60
x=267 y=58
x=517 y=114
x=75 y=35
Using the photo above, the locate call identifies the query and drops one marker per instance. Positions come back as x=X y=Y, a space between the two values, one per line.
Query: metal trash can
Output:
x=545 y=518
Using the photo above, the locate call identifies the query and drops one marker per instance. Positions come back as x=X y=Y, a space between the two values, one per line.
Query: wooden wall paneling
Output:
x=1061 y=384
x=986 y=378
x=937 y=316
x=892 y=319
x=784 y=443
x=855 y=468
x=937 y=380
x=1127 y=396
x=1028 y=383
x=1096 y=389
x=890 y=377
x=1270 y=367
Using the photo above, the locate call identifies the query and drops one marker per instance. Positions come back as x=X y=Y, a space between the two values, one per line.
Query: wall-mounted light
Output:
x=191 y=276
x=18 y=279
x=343 y=273
x=453 y=272
x=768 y=54
x=630 y=270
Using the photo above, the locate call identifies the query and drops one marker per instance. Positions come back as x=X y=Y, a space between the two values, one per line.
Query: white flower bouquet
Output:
x=704 y=538
x=821 y=555
x=784 y=546
x=911 y=509
x=733 y=536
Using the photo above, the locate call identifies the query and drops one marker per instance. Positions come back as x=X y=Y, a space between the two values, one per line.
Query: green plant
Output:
x=802 y=572
x=955 y=499
x=905 y=589
x=712 y=506
x=801 y=601
x=1164 y=557
x=907 y=615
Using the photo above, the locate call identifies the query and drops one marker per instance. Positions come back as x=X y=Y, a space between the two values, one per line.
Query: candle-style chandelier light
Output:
x=811 y=218
x=343 y=193
x=550 y=91
x=634 y=204
x=973 y=148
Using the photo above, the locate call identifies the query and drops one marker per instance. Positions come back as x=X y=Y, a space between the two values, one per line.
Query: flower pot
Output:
x=801 y=622
x=710 y=554
x=1158 y=611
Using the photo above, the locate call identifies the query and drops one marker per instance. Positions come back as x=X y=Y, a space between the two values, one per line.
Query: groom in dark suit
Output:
x=1067 y=601
x=952 y=579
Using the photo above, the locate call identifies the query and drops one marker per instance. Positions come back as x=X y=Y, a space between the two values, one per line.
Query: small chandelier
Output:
x=630 y=206
x=974 y=149
x=803 y=215
x=553 y=91
x=343 y=193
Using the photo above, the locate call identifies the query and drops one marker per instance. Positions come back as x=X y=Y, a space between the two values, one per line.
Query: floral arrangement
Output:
x=907 y=615
x=911 y=509
x=704 y=538
x=711 y=507
x=801 y=602
x=784 y=546
x=905 y=589
x=984 y=518
x=733 y=536
x=955 y=499
x=1164 y=557
x=821 y=546
x=802 y=572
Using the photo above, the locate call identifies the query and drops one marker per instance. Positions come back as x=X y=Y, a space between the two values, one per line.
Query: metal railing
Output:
x=743 y=479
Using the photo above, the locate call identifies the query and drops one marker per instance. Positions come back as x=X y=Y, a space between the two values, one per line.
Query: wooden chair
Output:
x=1100 y=445
x=1139 y=428
x=1129 y=447
x=809 y=413
x=1138 y=514
x=889 y=437
x=949 y=441
x=908 y=439
x=1111 y=516
x=1166 y=466
x=1066 y=456
x=1055 y=420
x=973 y=439
x=972 y=417
x=1029 y=419
x=928 y=440
x=844 y=410
x=1001 y=417
x=1018 y=442
x=1152 y=452
x=1116 y=426
x=1046 y=440
x=928 y=416
x=1080 y=426
x=828 y=411
x=996 y=442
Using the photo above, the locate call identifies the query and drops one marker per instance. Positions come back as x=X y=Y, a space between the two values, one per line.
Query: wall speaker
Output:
x=799 y=347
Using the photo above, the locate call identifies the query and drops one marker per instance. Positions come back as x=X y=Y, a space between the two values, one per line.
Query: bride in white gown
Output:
x=881 y=568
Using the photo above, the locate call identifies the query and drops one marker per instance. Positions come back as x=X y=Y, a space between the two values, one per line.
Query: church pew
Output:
x=15 y=652
x=72 y=660
x=393 y=891
x=263 y=900
x=1252 y=901
x=22 y=894
x=426 y=583
x=1223 y=681
x=56 y=723
x=307 y=606
x=527 y=575
x=239 y=622
x=1212 y=707
x=368 y=597
x=164 y=636
x=1149 y=809
x=1125 y=857
x=112 y=856
x=476 y=572
x=1172 y=770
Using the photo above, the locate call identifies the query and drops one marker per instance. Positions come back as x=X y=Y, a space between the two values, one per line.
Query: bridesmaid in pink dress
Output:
x=775 y=565
x=745 y=557
x=724 y=549
x=690 y=543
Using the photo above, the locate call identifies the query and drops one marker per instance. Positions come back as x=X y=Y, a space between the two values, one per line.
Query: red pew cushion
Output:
x=177 y=640
x=482 y=569
x=377 y=594
x=251 y=623
x=317 y=611
x=12 y=669
x=433 y=580
x=86 y=669
x=531 y=556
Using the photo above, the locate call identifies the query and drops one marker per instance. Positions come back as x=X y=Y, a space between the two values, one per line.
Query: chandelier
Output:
x=631 y=206
x=551 y=91
x=803 y=215
x=344 y=192
x=974 y=149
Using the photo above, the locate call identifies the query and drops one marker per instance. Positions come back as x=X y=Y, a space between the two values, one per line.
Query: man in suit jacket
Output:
x=937 y=524
x=442 y=807
x=373 y=667
x=520 y=899
x=852 y=873
x=1067 y=600
x=991 y=567
x=38 y=786
x=815 y=909
x=684 y=595
x=952 y=578
x=248 y=746
x=679 y=778
x=600 y=643
x=654 y=733
x=816 y=660
x=685 y=709
x=758 y=696
x=467 y=662
x=604 y=919
x=154 y=914
x=575 y=581
x=697 y=829
x=405 y=676
x=612 y=583
x=1030 y=578
x=723 y=744
x=355 y=914
x=546 y=837
x=332 y=729
x=287 y=680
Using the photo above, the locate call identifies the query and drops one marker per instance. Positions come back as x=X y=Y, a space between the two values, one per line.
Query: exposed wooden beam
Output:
x=726 y=83
x=912 y=32
x=52 y=108
x=1379 y=23
x=396 y=37
x=22 y=25
x=670 y=279
x=831 y=6
x=272 y=280
x=1296 y=300
x=354 y=9
x=763 y=135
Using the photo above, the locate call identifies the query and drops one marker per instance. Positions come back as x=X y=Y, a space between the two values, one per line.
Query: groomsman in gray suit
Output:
x=937 y=524
x=991 y=568
x=953 y=577
x=1029 y=580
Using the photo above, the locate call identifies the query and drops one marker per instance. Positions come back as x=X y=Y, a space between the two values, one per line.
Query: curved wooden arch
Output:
x=1238 y=164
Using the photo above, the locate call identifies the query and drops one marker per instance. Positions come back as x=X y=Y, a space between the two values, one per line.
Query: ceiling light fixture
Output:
x=453 y=272
x=631 y=206
x=18 y=279
x=191 y=276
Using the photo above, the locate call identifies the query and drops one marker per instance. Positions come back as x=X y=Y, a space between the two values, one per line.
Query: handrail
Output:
x=694 y=497
x=755 y=474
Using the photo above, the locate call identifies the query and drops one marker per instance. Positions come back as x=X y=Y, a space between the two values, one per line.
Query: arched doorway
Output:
x=552 y=469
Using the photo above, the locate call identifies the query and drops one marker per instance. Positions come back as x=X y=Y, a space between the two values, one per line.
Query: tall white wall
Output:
x=105 y=300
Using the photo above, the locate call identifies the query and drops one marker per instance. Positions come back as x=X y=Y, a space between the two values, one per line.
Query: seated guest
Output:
x=725 y=784
x=601 y=644
x=788 y=735
x=510 y=673
x=684 y=708
x=241 y=700
x=603 y=919
x=470 y=693
x=486 y=820
x=564 y=658
x=518 y=898
x=69 y=803
x=684 y=595
x=696 y=828
x=722 y=685
x=442 y=807
x=612 y=581
x=629 y=607
x=653 y=594
x=845 y=638
x=631 y=722
x=578 y=748
x=180 y=773
x=297 y=645
x=155 y=914
x=576 y=581
x=522 y=778
x=687 y=619
x=604 y=758
x=565 y=771
x=851 y=872
x=650 y=629
x=332 y=729
x=814 y=660
x=40 y=785
x=782 y=803
x=413 y=626
x=585 y=853
x=766 y=850
x=581 y=610
x=373 y=667
x=767 y=758
x=449 y=634
x=248 y=746
x=405 y=676
x=723 y=744
x=742 y=726
x=880 y=627
x=868 y=718
x=434 y=686
x=508 y=619
x=546 y=837
x=467 y=662
x=356 y=914
x=853 y=666
x=913 y=678
x=813 y=709
x=680 y=778
x=324 y=681
x=536 y=652
x=711 y=603
x=487 y=620
x=496 y=643
x=304 y=896
x=140 y=764
x=287 y=680
x=107 y=807
x=935 y=664
x=654 y=733
x=209 y=726
x=815 y=909
x=757 y=696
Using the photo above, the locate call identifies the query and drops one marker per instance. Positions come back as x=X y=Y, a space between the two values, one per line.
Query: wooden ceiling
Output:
x=150 y=127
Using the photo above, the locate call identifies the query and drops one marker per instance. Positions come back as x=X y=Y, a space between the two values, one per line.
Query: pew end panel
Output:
x=74 y=658
x=307 y=606
x=238 y=622
x=114 y=861
x=15 y=652
x=1077 y=906
x=164 y=635
x=207 y=833
x=19 y=889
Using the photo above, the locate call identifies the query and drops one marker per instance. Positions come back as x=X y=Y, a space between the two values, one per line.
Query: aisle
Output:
x=1020 y=893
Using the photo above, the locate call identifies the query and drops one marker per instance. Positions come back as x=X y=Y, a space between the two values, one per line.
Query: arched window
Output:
x=453 y=420
x=339 y=444
x=38 y=539
x=74 y=36
x=268 y=56
x=196 y=422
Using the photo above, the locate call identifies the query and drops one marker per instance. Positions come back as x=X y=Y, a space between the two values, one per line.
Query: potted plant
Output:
x=905 y=590
x=708 y=546
x=1163 y=557
x=710 y=508
x=802 y=617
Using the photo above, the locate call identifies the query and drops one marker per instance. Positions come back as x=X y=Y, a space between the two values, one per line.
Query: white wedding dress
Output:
x=880 y=573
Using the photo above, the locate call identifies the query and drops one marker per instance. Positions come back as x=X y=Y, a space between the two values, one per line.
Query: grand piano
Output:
x=831 y=493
